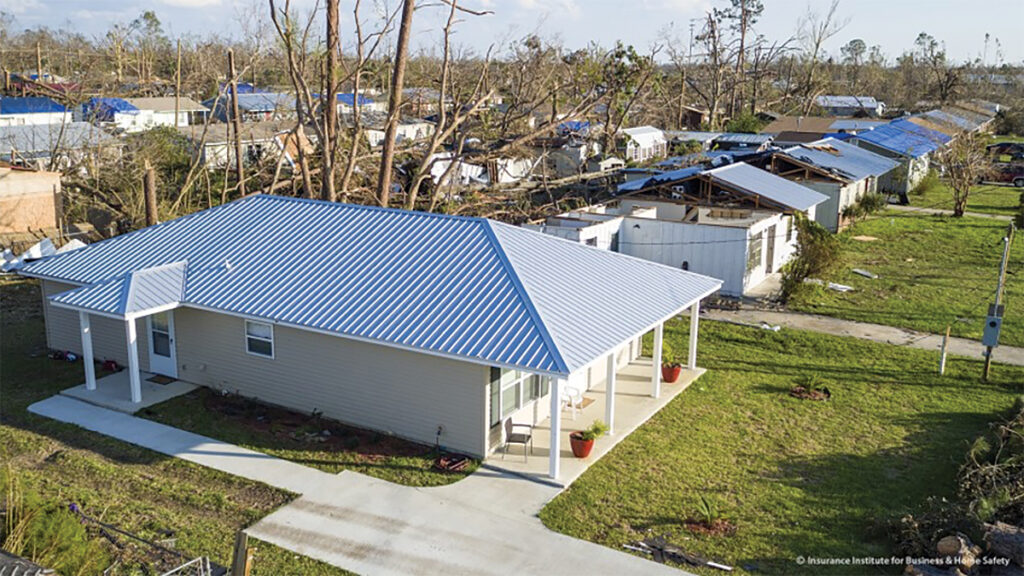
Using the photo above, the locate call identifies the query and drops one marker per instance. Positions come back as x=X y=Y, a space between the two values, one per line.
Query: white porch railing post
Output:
x=659 y=333
x=554 y=458
x=609 y=389
x=691 y=357
x=133 y=360
x=87 y=356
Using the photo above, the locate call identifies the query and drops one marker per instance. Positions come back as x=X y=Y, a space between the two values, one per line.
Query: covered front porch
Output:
x=633 y=405
x=629 y=394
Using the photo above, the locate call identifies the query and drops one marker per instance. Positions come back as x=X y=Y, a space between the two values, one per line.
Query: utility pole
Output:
x=177 y=86
x=39 y=63
x=990 y=337
x=236 y=123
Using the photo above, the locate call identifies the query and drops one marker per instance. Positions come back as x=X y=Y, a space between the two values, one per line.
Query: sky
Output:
x=893 y=24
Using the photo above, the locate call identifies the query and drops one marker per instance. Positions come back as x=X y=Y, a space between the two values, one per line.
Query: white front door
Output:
x=162 y=357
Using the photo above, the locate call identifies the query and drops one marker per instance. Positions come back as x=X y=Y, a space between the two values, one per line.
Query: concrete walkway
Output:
x=941 y=212
x=875 y=332
x=485 y=524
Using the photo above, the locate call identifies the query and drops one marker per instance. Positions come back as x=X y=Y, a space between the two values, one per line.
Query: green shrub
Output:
x=745 y=122
x=597 y=429
x=929 y=183
x=708 y=510
x=817 y=252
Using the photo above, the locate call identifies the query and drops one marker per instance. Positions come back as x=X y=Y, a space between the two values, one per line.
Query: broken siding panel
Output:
x=401 y=392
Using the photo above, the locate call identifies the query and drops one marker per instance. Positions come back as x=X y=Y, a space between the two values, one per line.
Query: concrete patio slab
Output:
x=634 y=405
x=114 y=392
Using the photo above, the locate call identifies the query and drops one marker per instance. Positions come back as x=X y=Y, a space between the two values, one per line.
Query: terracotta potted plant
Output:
x=582 y=441
x=670 y=369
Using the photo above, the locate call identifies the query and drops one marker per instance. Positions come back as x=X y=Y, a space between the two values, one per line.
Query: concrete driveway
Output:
x=485 y=524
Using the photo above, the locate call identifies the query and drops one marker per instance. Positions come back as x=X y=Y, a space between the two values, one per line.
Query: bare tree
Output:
x=387 y=156
x=813 y=31
x=966 y=163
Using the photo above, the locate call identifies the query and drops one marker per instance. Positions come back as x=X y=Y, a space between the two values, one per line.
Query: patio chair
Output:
x=513 y=437
x=571 y=398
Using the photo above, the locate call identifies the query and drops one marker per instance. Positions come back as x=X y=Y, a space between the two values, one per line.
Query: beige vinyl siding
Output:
x=593 y=375
x=368 y=385
x=109 y=341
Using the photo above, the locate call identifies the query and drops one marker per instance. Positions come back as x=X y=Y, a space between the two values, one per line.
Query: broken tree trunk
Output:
x=1006 y=540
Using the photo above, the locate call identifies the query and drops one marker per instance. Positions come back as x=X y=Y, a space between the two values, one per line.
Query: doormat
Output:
x=586 y=402
x=160 y=379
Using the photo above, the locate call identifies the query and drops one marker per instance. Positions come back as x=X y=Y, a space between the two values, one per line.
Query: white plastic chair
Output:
x=572 y=398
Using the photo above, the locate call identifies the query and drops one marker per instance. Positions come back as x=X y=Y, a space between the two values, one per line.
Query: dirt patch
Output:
x=720 y=527
x=805 y=393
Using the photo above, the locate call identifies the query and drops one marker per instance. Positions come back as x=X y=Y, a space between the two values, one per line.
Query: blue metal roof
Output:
x=131 y=293
x=844 y=160
x=40 y=140
x=252 y=102
x=903 y=138
x=747 y=178
x=461 y=287
x=29 y=105
x=660 y=178
x=104 y=109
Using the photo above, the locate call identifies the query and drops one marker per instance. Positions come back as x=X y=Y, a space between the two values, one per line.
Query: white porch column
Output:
x=609 y=392
x=691 y=357
x=554 y=458
x=133 y=360
x=659 y=332
x=87 y=357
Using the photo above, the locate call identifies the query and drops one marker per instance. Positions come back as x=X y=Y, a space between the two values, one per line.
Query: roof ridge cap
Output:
x=524 y=294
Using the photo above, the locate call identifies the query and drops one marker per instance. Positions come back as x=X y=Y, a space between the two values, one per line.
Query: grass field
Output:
x=934 y=271
x=795 y=477
x=136 y=489
x=372 y=454
x=985 y=199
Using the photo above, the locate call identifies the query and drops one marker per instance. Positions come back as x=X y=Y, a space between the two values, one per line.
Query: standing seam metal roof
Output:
x=903 y=141
x=463 y=287
x=845 y=160
x=767 y=185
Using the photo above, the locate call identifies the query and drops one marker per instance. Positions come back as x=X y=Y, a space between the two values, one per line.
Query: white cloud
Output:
x=23 y=6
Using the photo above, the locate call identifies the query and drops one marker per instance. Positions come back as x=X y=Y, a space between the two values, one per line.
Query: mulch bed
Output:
x=287 y=427
x=720 y=527
x=805 y=393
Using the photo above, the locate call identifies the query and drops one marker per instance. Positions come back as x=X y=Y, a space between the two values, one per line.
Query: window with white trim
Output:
x=259 y=338
x=513 y=389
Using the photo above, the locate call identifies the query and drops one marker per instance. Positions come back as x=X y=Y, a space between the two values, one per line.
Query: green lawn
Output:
x=795 y=477
x=985 y=198
x=287 y=435
x=134 y=488
x=933 y=271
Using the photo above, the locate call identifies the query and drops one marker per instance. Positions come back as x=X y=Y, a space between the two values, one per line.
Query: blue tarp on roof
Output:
x=578 y=127
x=104 y=109
x=349 y=99
x=29 y=105
x=243 y=88
x=464 y=288
x=660 y=178
x=844 y=160
x=933 y=135
x=904 y=142
x=260 y=102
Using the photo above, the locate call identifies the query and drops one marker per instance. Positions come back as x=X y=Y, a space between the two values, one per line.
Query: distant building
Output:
x=116 y=113
x=347 y=104
x=908 y=143
x=160 y=111
x=261 y=142
x=643 y=143
x=742 y=246
x=850 y=105
x=16 y=111
x=29 y=200
x=741 y=142
x=74 y=143
x=254 y=107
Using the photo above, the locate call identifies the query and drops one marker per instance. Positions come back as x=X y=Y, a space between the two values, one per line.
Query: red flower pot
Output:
x=670 y=372
x=580 y=448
